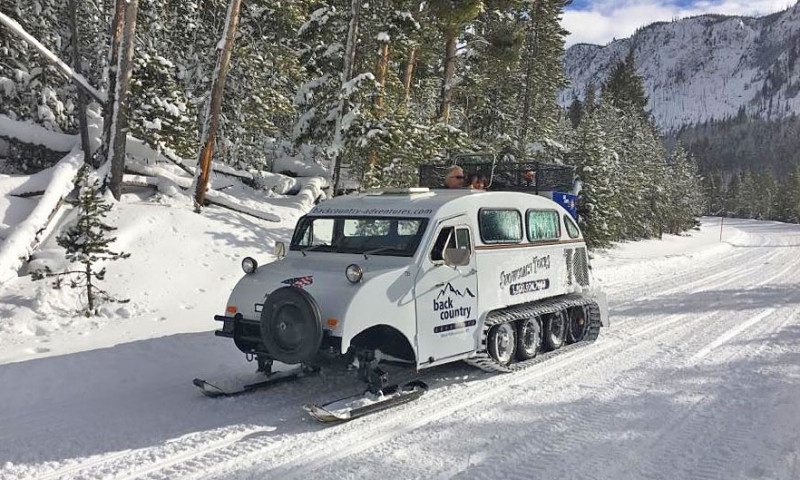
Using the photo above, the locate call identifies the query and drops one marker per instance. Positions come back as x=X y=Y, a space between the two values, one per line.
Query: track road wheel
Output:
x=578 y=324
x=555 y=330
x=529 y=338
x=502 y=343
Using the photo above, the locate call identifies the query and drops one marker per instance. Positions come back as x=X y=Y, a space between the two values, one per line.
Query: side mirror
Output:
x=280 y=250
x=456 y=257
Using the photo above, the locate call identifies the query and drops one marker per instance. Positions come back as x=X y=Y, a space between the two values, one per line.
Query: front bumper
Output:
x=246 y=335
x=245 y=332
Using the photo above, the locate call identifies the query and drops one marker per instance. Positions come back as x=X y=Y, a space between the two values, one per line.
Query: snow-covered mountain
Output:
x=705 y=67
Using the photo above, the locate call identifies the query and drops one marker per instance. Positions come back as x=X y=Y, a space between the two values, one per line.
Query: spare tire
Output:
x=291 y=325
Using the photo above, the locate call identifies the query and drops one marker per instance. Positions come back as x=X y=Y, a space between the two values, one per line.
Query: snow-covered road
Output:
x=699 y=377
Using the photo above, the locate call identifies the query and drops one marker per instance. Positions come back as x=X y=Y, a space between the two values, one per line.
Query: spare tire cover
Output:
x=291 y=325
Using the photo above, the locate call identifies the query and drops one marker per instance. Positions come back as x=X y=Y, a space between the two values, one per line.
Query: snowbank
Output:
x=29 y=132
x=300 y=168
x=20 y=242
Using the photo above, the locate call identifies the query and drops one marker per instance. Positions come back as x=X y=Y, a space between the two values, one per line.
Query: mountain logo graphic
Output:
x=449 y=288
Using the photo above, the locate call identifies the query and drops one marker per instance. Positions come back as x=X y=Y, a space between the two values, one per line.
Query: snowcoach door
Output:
x=447 y=296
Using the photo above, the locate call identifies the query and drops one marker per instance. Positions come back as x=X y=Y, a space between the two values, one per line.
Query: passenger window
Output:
x=445 y=238
x=543 y=225
x=500 y=226
x=572 y=229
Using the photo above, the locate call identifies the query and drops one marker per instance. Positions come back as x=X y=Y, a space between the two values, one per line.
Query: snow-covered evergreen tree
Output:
x=87 y=244
x=684 y=190
x=597 y=165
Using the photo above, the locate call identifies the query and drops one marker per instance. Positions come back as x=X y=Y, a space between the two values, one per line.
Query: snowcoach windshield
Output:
x=398 y=237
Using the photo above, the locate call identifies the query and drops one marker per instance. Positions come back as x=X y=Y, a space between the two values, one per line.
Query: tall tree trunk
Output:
x=530 y=60
x=89 y=289
x=76 y=65
x=383 y=68
x=412 y=58
x=347 y=73
x=113 y=61
x=119 y=130
x=449 y=74
x=214 y=107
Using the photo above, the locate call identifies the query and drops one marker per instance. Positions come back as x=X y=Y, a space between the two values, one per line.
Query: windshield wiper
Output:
x=312 y=247
x=382 y=249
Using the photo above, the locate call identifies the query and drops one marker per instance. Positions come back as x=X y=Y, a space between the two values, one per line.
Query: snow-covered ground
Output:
x=698 y=377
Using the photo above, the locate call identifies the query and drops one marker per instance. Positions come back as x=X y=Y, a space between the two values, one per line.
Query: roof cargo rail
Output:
x=520 y=176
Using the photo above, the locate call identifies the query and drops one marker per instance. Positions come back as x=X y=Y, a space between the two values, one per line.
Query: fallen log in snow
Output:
x=310 y=192
x=162 y=184
x=23 y=239
x=219 y=199
x=35 y=193
x=29 y=132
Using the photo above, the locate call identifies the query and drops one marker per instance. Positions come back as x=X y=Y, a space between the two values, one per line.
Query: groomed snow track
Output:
x=698 y=378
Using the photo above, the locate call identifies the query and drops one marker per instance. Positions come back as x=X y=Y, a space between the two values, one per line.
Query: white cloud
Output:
x=608 y=19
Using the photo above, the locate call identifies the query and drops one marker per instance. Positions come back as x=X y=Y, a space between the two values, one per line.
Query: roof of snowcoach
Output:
x=426 y=203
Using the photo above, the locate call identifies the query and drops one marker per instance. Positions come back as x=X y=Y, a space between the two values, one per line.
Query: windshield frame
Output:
x=409 y=252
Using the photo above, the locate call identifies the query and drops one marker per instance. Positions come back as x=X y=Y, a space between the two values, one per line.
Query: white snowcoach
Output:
x=420 y=276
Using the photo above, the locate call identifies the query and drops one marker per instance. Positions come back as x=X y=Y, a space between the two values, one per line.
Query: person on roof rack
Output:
x=454 y=177
x=477 y=181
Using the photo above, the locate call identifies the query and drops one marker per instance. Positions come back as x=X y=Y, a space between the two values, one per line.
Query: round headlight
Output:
x=353 y=273
x=249 y=265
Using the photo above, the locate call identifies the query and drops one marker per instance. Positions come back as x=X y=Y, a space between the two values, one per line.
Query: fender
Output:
x=385 y=299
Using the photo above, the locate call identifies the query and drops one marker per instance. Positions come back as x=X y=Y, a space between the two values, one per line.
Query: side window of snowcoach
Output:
x=450 y=237
x=462 y=239
x=446 y=239
x=543 y=225
x=572 y=229
x=500 y=226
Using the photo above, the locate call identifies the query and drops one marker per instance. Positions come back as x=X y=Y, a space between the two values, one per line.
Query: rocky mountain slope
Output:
x=703 y=68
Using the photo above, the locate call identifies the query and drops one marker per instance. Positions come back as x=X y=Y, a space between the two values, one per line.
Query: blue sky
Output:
x=600 y=21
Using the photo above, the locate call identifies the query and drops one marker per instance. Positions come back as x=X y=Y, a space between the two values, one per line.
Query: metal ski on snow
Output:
x=350 y=408
x=213 y=391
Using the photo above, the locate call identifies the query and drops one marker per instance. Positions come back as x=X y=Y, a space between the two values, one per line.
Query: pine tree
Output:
x=575 y=112
x=732 y=196
x=87 y=244
x=685 y=195
x=542 y=70
x=453 y=17
x=789 y=198
x=596 y=165
x=486 y=103
x=625 y=88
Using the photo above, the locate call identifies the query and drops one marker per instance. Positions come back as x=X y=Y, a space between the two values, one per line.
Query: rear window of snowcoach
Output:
x=543 y=225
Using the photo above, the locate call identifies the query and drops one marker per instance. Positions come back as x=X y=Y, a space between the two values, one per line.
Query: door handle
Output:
x=471 y=272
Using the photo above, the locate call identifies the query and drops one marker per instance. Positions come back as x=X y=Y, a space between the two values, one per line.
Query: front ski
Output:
x=213 y=391
x=350 y=408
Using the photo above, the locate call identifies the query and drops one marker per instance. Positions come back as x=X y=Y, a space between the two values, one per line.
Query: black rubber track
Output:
x=485 y=362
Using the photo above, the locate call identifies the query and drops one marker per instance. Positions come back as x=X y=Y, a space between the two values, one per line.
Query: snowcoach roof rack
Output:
x=518 y=176
x=397 y=191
